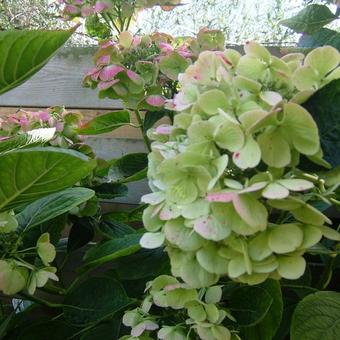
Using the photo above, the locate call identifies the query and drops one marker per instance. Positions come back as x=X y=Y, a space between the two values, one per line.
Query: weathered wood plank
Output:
x=59 y=83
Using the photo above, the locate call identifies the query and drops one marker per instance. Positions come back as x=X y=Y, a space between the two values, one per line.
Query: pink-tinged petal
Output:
x=173 y=286
x=133 y=75
x=221 y=196
x=109 y=72
x=43 y=115
x=155 y=100
x=164 y=129
x=78 y=2
x=223 y=58
x=104 y=85
x=86 y=11
x=24 y=122
x=184 y=52
x=101 y=6
x=165 y=47
x=71 y=9
x=3 y=138
x=13 y=119
x=103 y=60
x=107 y=44
x=59 y=126
x=136 y=41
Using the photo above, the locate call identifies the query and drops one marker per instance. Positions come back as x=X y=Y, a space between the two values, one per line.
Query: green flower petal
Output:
x=209 y=259
x=229 y=136
x=285 y=238
x=323 y=59
x=249 y=156
x=291 y=267
x=275 y=150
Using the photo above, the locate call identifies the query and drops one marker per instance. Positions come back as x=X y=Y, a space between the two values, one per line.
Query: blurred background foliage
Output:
x=240 y=20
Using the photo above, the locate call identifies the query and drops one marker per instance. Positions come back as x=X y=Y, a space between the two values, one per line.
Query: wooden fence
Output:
x=59 y=83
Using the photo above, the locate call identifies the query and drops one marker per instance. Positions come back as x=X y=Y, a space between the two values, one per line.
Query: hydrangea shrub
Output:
x=228 y=198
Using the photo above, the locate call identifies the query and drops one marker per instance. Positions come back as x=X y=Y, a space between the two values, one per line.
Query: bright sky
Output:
x=240 y=19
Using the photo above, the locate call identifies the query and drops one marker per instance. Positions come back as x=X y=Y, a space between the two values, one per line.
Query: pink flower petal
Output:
x=86 y=11
x=101 y=6
x=109 y=72
x=164 y=129
x=43 y=115
x=136 y=41
x=107 y=44
x=165 y=47
x=104 y=85
x=103 y=60
x=155 y=100
x=133 y=75
x=221 y=196
x=71 y=9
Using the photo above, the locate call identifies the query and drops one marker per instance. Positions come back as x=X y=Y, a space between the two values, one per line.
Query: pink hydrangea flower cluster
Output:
x=114 y=70
x=84 y=8
x=65 y=122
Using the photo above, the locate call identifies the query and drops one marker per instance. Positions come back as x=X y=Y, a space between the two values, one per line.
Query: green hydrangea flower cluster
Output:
x=198 y=312
x=228 y=197
x=16 y=273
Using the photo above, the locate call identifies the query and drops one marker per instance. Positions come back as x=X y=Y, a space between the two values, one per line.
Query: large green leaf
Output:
x=266 y=329
x=113 y=249
x=51 y=206
x=324 y=106
x=105 y=123
x=94 y=299
x=310 y=19
x=29 y=174
x=24 y=52
x=250 y=304
x=317 y=317
x=323 y=37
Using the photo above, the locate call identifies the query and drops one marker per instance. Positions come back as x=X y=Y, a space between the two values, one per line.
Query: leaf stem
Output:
x=145 y=137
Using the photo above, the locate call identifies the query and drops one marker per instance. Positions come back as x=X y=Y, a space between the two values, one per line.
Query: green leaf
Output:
x=250 y=304
x=113 y=249
x=105 y=331
x=310 y=19
x=28 y=174
x=93 y=300
x=151 y=118
x=323 y=37
x=53 y=330
x=266 y=329
x=51 y=206
x=24 y=53
x=316 y=317
x=82 y=232
x=105 y=123
x=128 y=165
x=114 y=229
x=324 y=106
x=109 y=191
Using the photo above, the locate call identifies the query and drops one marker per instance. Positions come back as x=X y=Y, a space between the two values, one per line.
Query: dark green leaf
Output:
x=151 y=118
x=105 y=123
x=94 y=299
x=249 y=305
x=105 y=331
x=129 y=164
x=324 y=106
x=82 y=232
x=266 y=329
x=143 y=264
x=317 y=317
x=28 y=174
x=310 y=19
x=323 y=37
x=24 y=53
x=109 y=191
x=114 y=229
x=51 y=206
x=113 y=249
x=52 y=330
